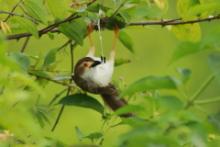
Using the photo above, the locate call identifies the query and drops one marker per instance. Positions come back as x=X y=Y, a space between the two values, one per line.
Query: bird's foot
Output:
x=103 y=59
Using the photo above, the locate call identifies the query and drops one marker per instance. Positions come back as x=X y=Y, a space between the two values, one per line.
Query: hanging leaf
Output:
x=150 y=83
x=82 y=100
x=36 y=9
x=75 y=30
x=50 y=57
x=126 y=41
x=188 y=32
x=21 y=59
x=27 y=26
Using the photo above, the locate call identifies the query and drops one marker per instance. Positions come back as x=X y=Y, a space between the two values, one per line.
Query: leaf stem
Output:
x=199 y=91
x=207 y=101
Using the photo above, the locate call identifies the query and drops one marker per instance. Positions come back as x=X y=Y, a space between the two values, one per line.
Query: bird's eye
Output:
x=85 y=64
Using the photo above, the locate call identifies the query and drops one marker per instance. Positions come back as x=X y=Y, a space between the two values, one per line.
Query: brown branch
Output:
x=178 y=21
x=18 y=15
x=53 y=28
x=25 y=44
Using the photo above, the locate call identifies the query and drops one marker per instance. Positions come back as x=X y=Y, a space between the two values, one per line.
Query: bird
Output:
x=94 y=74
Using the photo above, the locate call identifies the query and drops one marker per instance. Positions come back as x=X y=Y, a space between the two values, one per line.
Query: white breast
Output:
x=101 y=74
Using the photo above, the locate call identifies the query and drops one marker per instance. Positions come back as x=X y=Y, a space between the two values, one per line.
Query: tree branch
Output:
x=53 y=28
x=72 y=46
x=178 y=21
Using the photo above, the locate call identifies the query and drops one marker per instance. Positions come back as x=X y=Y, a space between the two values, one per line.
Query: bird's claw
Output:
x=103 y=59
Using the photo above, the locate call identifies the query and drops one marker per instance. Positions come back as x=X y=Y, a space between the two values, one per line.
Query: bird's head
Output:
x=84 y=65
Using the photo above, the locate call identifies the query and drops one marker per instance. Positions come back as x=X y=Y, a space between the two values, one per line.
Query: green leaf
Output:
x=126 y=41
x=50 y=57
x=129 y=109
x=188 y=48
x=121 y=61
x=75 y=30
x=170 y=102
x=36 y=9
x=94 y=136
x=183 y=6
x=188 y=32
x=208 y=8
x=82 y=100
x=21 y=59
x=214 y=63
x=58 y=8
x=150 y=83
x=27 y=26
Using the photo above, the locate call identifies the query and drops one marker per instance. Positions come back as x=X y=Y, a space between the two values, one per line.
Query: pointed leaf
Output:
x=75 y=30
x=50 y=57
x=126 y=41
x=150 y=83
x=82 y=100
x=36 y=9
x=22 y=60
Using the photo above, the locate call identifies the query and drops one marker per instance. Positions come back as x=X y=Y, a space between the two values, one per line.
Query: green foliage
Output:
x=82 y=100
x=150 y=83
x=126 y=40
x=26 y=25
x=167 y=111
x=36 y=9
x=75 y=30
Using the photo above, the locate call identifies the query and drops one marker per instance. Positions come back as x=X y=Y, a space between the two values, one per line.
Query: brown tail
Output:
x=111 y=98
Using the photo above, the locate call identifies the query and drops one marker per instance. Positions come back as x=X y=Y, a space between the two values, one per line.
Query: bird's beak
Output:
x=95 y=63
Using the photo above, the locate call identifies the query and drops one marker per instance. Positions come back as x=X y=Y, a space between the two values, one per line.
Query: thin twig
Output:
x=19 y=15
x=25 y=44
x=119 y=7
x=60 y=113
x=12 y=10
x=51 y=80
x=64 y=45
x=199 y=91
x=207 y=101
x=56 y=97
x=72 y=45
